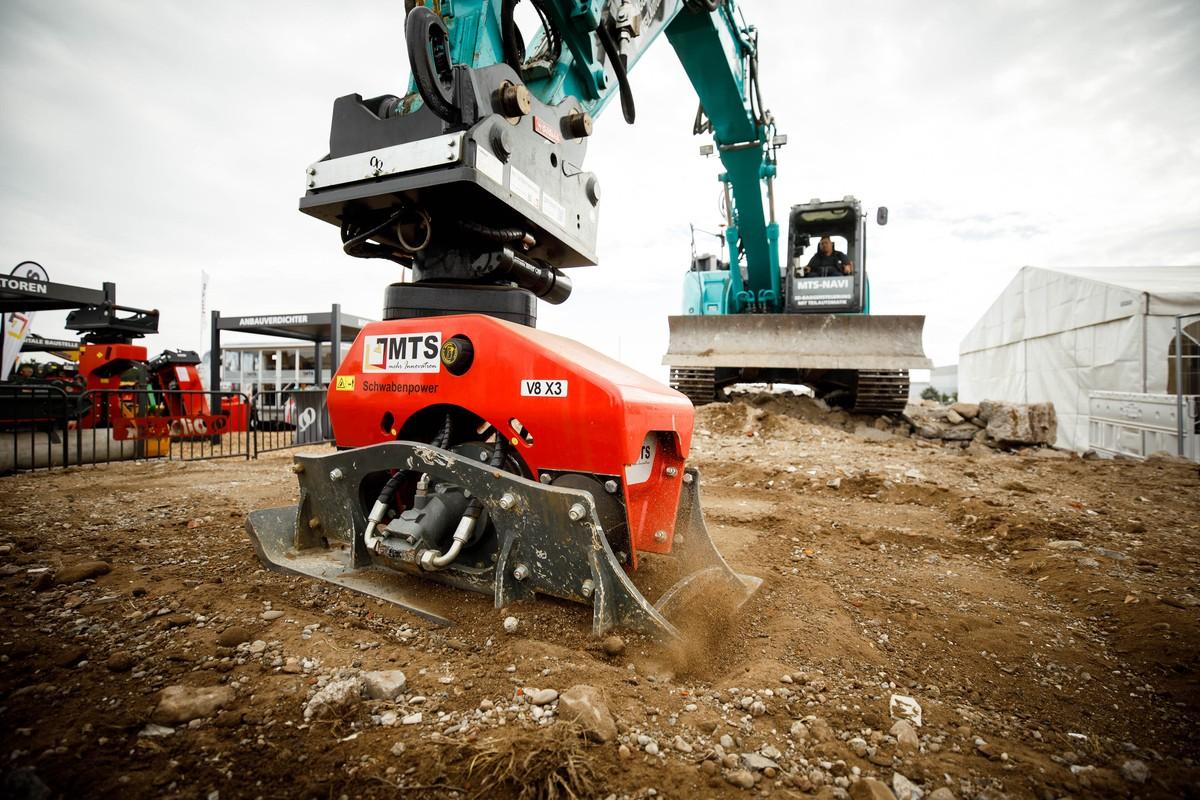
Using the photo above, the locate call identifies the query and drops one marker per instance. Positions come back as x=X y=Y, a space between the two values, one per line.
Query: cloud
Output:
x=145 y=142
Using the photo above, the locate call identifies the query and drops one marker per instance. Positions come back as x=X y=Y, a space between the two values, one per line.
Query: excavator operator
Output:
x=829 y=263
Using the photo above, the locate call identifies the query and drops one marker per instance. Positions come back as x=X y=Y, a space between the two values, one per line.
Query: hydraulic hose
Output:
x=355 y=244
x=514 y=45
x=428 y=42
x=547 y=283
x=384 y=502
x=614 y=57
x=443 y=437
x=501 y=235
x=431 y=559
x=379 y=511
x=514 y=48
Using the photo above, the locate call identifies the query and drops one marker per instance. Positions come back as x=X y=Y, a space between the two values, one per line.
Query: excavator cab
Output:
x=843 y=222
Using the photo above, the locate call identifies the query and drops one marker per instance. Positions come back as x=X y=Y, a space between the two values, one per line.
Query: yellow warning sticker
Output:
x=345 y=383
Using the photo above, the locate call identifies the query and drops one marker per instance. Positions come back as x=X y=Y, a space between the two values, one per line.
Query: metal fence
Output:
x=290 y=418
x=34 y=431
x=45 y=426
x=180 y=425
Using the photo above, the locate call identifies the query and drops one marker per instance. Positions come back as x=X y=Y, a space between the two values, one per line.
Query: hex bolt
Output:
x=577 y=512
x=687 y=478
x=672 y=472
x=507 y=501
x=588 y=588
x=297 y=468
x=622 y=556
x=611 y=487
x=545 y=478
x=521 y=572
x=660 y=536
x=336 y=474
x=312 y=170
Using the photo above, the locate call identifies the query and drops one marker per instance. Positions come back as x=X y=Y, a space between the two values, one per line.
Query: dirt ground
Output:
x=1042 y=609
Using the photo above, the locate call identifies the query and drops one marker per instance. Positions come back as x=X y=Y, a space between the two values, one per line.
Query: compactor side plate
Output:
x=549 y=536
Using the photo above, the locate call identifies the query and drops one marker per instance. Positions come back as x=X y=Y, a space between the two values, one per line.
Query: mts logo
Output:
x=410 y=352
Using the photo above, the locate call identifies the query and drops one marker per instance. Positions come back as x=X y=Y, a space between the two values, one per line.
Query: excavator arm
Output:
x=719 y=51
x=475 y=177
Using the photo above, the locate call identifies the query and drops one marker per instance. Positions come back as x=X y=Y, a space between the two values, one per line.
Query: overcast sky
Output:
x=146 y=141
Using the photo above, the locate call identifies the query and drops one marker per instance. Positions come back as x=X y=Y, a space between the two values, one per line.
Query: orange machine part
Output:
x=561 y=405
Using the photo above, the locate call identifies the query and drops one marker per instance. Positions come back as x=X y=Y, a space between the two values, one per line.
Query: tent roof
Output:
x=1040 y=301
x=1155 y=281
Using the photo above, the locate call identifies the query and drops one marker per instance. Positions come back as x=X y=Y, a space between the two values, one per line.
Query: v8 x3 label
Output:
x=531 y=387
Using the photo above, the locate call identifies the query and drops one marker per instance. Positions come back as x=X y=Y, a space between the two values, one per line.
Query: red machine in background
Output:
x=133 y=395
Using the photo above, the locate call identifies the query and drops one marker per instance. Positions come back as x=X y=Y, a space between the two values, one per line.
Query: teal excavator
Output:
x=473 y=449
x=753 y=318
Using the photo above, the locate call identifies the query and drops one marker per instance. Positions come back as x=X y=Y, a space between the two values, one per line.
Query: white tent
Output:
x=1057 y=334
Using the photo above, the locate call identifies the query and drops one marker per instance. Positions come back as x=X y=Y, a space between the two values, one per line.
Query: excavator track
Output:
x=881 y=391
x=698 y=384
x=875 y=391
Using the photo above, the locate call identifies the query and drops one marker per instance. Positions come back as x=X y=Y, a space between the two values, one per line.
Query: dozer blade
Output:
x=549 y=541
x=797 y=341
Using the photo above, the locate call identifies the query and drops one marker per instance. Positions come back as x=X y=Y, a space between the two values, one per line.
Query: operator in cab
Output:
x=828 y=263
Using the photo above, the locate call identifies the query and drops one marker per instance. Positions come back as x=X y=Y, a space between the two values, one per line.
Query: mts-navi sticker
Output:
x=345 y=383
x=407 y=352
x=536 y=388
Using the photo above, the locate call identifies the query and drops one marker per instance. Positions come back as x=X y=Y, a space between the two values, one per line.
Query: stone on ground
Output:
x=232 y=637
x=334 y=698
x=385 y=684
x=81 y=572
x=905 y=789
x=870 y=789
x=583 y=704
x=1010 y=423
x=180 y=704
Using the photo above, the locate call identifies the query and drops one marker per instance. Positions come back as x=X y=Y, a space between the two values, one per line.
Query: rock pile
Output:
x=989 y=424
